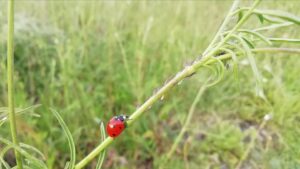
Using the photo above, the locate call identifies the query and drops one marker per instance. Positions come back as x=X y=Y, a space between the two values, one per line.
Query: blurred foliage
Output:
x=93 y=60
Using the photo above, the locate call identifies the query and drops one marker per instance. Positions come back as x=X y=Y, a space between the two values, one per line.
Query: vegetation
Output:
x=90 y=61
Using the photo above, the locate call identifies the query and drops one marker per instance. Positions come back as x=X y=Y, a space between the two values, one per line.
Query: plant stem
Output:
x=188 y=70
x=94 y=153
x=10 y=80
x=164 y=90
x=287 y=40
x=251 y=145
x=274 y=50
x=236 y=27
x=180 y=76
x=223 y=26
x=187 y=121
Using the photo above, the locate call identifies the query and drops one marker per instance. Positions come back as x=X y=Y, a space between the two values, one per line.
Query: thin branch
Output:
x=94 y=153
x=180 y=76
x=254 y=136
x=187 y=121
x=236 y=27
x=223 y=26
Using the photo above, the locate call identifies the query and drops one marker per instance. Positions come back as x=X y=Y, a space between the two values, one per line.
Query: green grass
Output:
x=90 y=61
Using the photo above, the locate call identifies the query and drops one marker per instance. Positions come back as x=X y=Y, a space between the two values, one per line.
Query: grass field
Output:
x=93 y=60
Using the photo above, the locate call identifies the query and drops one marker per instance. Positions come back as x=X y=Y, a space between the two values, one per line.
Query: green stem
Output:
x=187 y=121
x=251 y=145
x=179 y=77
x=275 y=50
x=235 y=28
x=10 y=80
x=284 y=40
x=223 y=26
x=94 y=153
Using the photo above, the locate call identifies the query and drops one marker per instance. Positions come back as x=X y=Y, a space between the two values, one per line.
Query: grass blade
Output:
x=34 y=162
x=102 y=155
x=32 y=149
x=18 y=111
x=2 y=152
x=69 y=137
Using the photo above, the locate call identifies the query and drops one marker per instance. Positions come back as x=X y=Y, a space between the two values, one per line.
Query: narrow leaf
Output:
x=280 y=14
x=240 y=16
x=34 y=162
x=273 y=20
x=255 y=70
x=274 y=26
x=218 y=71
x=2 y=153
x=235 y=62
x=19 y=111
x=69 y=137
x=261 y=18
x=256 y=34
x=286 y=40
x=102 y=155
x=273 y=13
x=248 y=42
x=33 y=149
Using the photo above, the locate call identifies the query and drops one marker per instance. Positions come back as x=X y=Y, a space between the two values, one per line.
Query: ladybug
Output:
x=116 y=125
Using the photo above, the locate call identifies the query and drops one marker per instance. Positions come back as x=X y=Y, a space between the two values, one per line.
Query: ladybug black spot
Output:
x=113 y=135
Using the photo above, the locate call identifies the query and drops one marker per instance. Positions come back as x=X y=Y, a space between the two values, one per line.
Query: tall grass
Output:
x=105 y=64
x=209 y=57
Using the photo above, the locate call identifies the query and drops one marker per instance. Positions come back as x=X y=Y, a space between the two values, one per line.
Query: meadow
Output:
x=91 y=60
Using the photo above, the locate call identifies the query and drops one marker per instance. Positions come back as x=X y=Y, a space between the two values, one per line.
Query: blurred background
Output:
x=91 y=60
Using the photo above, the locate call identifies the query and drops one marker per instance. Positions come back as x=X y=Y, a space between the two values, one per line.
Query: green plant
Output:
x=10 y=80
x=240 y=44
x=238 y=41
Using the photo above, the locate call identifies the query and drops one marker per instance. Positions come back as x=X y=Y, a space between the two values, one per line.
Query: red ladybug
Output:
x=116 y=125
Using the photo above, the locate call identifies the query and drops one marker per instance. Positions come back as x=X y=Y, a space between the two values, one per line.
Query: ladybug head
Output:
x=122 y=117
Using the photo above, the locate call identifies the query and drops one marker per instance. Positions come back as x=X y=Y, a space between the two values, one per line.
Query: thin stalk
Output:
x=187 y=121
x=94 y=153
x=275 y=50
x=179 y=77
x=10 y=80
x=251 y=144
x=284 y=40
x=274 y=26
x=223 y=26
x=236 y=27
